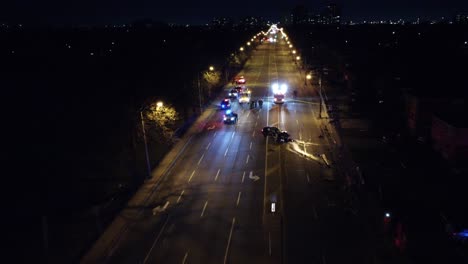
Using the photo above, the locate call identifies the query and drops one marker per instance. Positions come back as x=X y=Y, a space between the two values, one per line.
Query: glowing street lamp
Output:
x=248 y=43
x=294 y=52
x=159 y=105
x=309 y=76
x=241 y=48
x=290 y=46
x=211 y=68
x=298 y=58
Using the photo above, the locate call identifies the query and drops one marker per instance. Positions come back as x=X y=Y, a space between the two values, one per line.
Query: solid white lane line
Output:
x=191 y=176
x=269 y=243
x=247 y=160
x=216 y=177
x=204 y=207
x=238 y=198
x=185 y=257
x=250 y=144
x=225 y=153
x=199 y=161
x=229 y=240
x=180 y=196
x=156 y=240
x=243 y=176
x=207 y=147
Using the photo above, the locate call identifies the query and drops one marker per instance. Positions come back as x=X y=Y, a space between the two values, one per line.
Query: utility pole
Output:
x=199 y=91
x=320 y=93
x=146 y=144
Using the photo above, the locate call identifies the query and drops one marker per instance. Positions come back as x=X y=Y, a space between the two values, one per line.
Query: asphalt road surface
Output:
x=215 y=204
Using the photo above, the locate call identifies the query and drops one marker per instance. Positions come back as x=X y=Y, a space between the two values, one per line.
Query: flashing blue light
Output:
x=228 y=112
x=222 y=106
x=463 y=233
x=232 y=118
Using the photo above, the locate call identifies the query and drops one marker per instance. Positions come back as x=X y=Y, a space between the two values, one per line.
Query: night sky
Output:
x=77 y=12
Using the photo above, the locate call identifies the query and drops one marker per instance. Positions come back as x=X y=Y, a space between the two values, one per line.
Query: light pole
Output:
x=308 y=77
x=146 y=144
x=320 y=93
x=199 y=91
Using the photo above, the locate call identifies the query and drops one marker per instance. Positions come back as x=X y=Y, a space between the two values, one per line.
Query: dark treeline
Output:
x=382 y=62
x=74 y=96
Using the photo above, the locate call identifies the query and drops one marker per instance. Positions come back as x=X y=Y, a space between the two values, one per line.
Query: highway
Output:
x=214 y=205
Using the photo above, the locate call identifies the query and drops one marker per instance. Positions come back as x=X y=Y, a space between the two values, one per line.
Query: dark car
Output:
x=270 y=131
x=233 y=93
x=230 y=117
x=226 y=104
x=282 y=137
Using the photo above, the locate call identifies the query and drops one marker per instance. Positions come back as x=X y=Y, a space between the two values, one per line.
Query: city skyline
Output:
x=86 y=12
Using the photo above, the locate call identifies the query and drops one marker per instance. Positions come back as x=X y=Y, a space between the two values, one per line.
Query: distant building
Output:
x=449 y=134
x=299 y=15
x=252 y=22
x=221 y=22
x=419 y=110
x=461 y=19
x=331 y=15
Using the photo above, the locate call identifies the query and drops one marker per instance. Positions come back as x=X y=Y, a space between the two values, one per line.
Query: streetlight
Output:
x=294 y=52
x=290 y=45
x=248 y=43
x=159 y=105
x=241 y=48
x=211 y=68
x=308 y=77
x=298 y=58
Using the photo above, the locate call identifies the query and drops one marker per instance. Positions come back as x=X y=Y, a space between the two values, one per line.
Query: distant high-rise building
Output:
x=331 y=15
x=461 y=19
x=221 y=22
x=299 y=15
x=252 y=22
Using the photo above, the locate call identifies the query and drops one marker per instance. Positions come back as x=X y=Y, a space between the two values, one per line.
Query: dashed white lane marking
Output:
x=238 y=198
x=185 y=258
x=297 y=122
x=308 y=179
x=217 y=174
x=248 y=115
x=207 y=147
x=269 y=243
x=156 y=240
x=256 y=124
x=225 y=153
x=253 y=133
x=191 y=176
x=233 y=134
x=247 y=160
x=243 y=176
x=229 y=240
x=180 y=196
x=199 y=161
x=250 y=144
x=214 y=135
x=258 y=116
x=204 y=207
